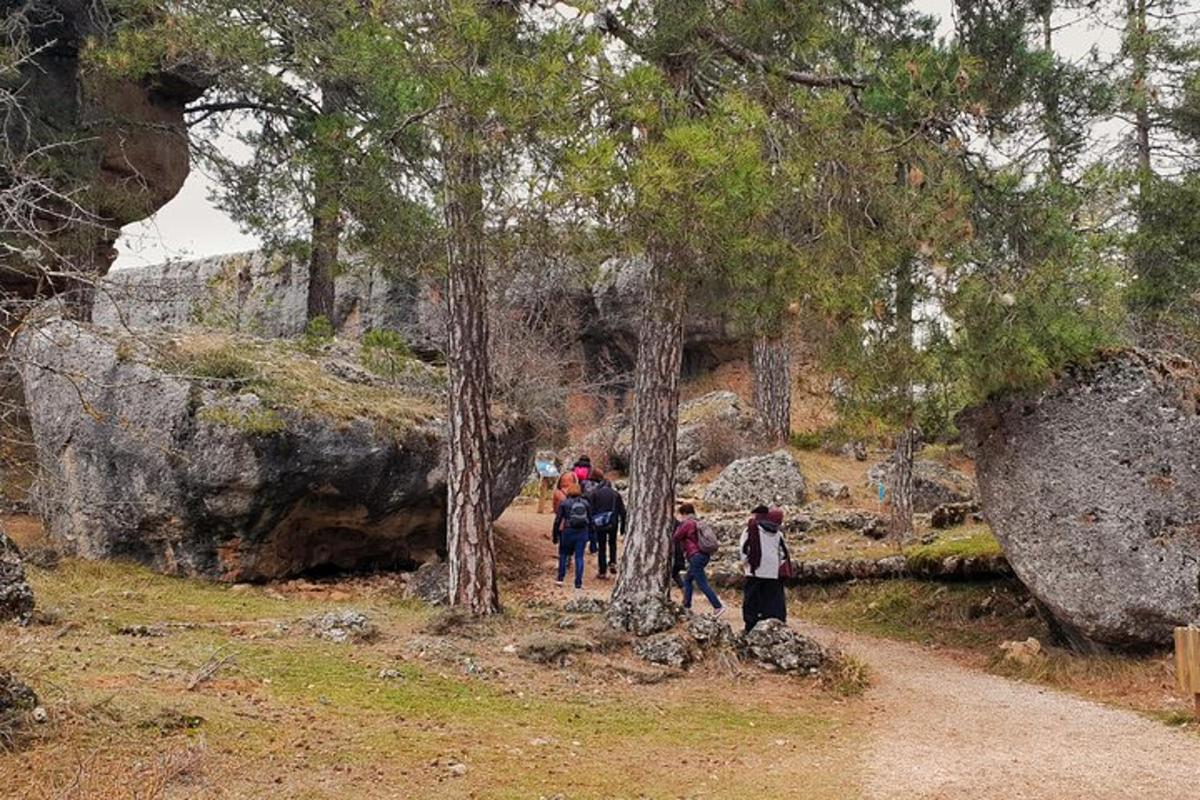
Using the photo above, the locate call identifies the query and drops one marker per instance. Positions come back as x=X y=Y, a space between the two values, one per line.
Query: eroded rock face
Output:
x=126 y=143
x=150 y=461
x=774 y=480
x=268 y=296
x=1092 y=488
x=16 y=598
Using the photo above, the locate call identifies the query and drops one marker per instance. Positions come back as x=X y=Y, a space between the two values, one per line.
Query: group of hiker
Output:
x=589 y=514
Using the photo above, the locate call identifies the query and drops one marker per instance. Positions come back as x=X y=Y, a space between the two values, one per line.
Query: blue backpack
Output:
x=604 y=520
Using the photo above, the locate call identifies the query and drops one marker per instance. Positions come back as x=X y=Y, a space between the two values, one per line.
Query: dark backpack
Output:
x=706 y=539
x=578 y=513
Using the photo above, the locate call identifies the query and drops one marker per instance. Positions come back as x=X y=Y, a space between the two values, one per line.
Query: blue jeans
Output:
x=572 y=541
x=695 y=575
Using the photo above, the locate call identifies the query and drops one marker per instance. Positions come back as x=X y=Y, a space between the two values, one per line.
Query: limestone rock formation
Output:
x=16 y=598
x=1092 y=488
x=774 y=479
x=122 y=140
x=237 y=459
x=773 y=644
x=268 y=296
x=669 y=649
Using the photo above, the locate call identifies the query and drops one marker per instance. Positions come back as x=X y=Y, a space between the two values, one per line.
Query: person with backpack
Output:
x=767 y=561
x=582 y=468
x=608 y=519
x=572 y=532
x=699 y=545
x=567 y=479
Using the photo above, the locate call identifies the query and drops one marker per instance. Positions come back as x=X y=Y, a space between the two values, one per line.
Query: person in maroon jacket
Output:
x=688 y=536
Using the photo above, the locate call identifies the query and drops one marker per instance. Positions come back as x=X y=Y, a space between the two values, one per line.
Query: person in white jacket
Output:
x=763 y=550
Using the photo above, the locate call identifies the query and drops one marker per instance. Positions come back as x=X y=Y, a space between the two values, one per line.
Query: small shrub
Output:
x=846 y=676
x=317 y=333
x=721 y=443
x=385 y=353
x=807 y=440
x=220 y=363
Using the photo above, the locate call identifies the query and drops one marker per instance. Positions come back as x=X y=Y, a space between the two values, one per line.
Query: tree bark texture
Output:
x=1139 y=49
x=640 y=602
x=469 y=534
x=901 y=488
x=772 y=367
x=326 y=220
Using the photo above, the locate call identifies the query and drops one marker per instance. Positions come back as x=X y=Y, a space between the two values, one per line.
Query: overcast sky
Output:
x=189 y=227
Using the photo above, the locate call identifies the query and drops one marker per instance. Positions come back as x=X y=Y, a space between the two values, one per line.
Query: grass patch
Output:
x=970 y=541
x=954 y=614
x=254 y=421
x=285 y=378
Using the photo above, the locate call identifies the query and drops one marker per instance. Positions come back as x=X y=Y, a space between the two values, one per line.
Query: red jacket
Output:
x=688 y=536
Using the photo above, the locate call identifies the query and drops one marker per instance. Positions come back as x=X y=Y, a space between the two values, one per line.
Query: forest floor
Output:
x=419 y=713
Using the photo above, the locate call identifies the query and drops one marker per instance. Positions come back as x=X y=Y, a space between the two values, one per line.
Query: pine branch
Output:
x=749 y=58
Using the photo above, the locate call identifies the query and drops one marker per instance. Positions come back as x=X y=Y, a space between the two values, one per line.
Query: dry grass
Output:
x=286 y=378
x=290 y=716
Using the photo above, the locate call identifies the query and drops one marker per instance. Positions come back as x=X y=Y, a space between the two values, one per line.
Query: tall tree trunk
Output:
x=326 y=215
x=1137 y=40
x=901 y=480
x=1050 y=102
x=772 y=367
x=322 y=260
x=640 y=602
x=469 y=534
x=901 y=477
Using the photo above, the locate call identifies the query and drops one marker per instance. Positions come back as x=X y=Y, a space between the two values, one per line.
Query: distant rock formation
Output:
x=774 y=479
x=240 y=459
x=1092 y=488
x=266 y=296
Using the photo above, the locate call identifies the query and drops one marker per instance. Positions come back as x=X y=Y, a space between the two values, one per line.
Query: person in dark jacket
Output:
x=608 y=518
x=572 y=532
x=763 y=550
x=688 y=535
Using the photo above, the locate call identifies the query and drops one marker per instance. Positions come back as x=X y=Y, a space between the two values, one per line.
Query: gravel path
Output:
x=939 y=730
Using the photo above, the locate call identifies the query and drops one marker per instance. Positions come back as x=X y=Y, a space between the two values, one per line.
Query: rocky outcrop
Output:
x=16 y=598
x=1092 y=488
x=264 y=295
x=773 y=644
x=121 y=146
x=934 y=484
x=773 y=480
x=238 y=459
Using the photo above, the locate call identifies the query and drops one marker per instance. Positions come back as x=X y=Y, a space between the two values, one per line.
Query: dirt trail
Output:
x=941 y=730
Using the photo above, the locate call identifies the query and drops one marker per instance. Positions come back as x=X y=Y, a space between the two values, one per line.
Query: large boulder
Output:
x=16 y=598
x=1092 y=488
x=934 y=483
x=238 y=459
x=774 y=479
